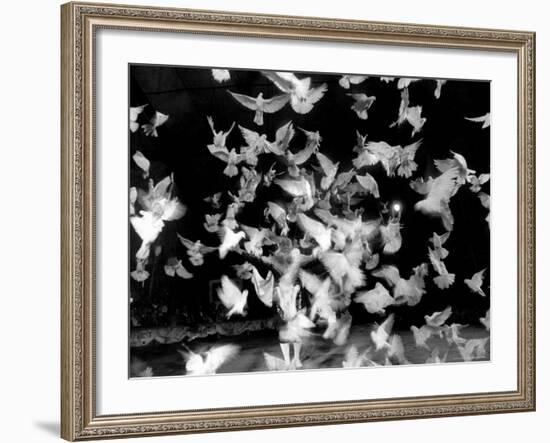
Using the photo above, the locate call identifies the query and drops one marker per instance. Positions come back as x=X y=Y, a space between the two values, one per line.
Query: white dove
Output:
x=438 y=85
x=349 y=79
x=459 y=162
x=210 y=362
x=230 y=240
x=264 y=286
x=444 y=279
x=157 y=120
x=143 y=163
x=486 y=321
x=300 y=188
x=391 y=236
x=451 y=333
x=437 y=319
x=221 y=75
x=344 y=267
x=302 y=95
x=473 y=349
x=261 y=105
x=316 y=230
x=421 y=335
x=375 y=300
x=381 y=333
x=438 y=193
x=368 y=182
x=407 y=165
x=375 y=152
x=362 y=104
x=220 y=137
x=338 y=329
x=133 y=194
x=396 y=352
x=484 y=119
x=278 y=214
x=403 y=83
x=134 y=114
x=438 y=241
x=174 y=267
x=232 y=297
x=321 y=296
x=329 y=170
x=485 y=200
x=475 y=283
x=476 y=182
x=148 y=227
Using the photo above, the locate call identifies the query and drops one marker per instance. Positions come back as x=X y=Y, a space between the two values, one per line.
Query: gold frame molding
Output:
x=79 y=22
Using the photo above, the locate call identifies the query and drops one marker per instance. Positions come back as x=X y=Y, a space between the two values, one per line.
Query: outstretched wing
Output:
x=229 y=293
x=275 y=103
x=444 y=186
x=245 y=100
x=389 y=273
x=281 y=79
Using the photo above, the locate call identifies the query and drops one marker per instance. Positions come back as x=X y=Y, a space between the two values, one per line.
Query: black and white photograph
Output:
x=285 y=221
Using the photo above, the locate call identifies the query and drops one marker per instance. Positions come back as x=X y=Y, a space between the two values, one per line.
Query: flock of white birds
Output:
x=323 y=204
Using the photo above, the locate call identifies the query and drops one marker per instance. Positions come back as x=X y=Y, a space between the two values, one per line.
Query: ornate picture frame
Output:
x=80 y=22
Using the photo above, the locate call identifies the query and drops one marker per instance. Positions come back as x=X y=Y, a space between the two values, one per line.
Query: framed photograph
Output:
x=283 y=221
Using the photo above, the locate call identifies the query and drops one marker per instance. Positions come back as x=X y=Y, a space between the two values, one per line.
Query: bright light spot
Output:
x=396 y=207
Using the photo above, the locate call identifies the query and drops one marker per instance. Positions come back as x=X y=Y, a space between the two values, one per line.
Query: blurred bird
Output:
x=261 y=105
x=134 y=114
x=396 y=351
x=486 y=321
x=380 y=334
x=174 y=267
x=475 y=283
x=456 y=162
x=451 y=333
x=362 y=103
x=316 y=230
x=391 y=236
x=212 y=222
x=476 y=182
x=133 y=194
x=375 y=300
x=232 y=297
x=438 y=241
x=438 y=319
x=421 y=335
x=278 y=214
x=221 y=75
x=264 y=287
x=484 y=119
x=230 y=240
x=158 y=119
x=143 y=163
x=349 y=79
x=473 y=349
x=329 y=169
x=404 y=83
x=322 y=301
x=220 y=137
x=412 y=115
x=438 y=85
x=485 y=200
x=214 y=200
x=444 y=279
x=207 y=363
x=302 y=95
x=407 y=165
x=148 y=227
x=338 y=329
x=438 y=193
x=368 y=182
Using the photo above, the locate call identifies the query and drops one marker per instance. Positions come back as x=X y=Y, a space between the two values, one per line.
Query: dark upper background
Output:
x=188 y=95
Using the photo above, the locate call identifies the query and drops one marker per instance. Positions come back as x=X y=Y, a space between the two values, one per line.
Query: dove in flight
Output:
x=476 y=182
x=148 y=227
x=421 y=335
x=375 y=300
x=438 y=241
x=221 y=75
x=302 y=95
x=451 y=333
x=444 y=279
x=264 y=286
x=387 y=79
x=486 y=321
x=381 y=333
x=338 y=329
x=484 y=119
x=349 y=79
x=485 y=200
x=459 y=162
x=231 y=158
x=344 y=267
x=362 y=103
x=140 y=274
x=157 y=120
x=220 y=137
x=438 y=85
x=322 y=297
x=261 y=105
x=438 y=319
x=134 y=114
x=278 y=214
x=316 y=230
x=475 y=283
x=256 y=238
x=232 y=297
x=300 y=188
x=133 y=194
x=274 y=363
x=473 y=349
x=396 y=351
x=370 y=185
x=407 y=165
x=375 y=152
x=143 y=163
x=195 y=250
x=438 y=193
x=230 y=240
x=391 y=236
x=410 y=114
x=209 y=362
x=212 y=222
x=354 y=359
x=174 y=267
x=329 y=169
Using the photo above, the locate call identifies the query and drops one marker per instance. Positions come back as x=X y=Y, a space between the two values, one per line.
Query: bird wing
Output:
x=356 y=79
x=310 y=281
x=134 y=112
x=315 y=229
x=229 y=293
x=282 y=80
x=221 y=153
x=284 y=134
x=389 y=273
x=296 y=188
x=368 y=182
x=275 y=103
x=250 y=137
x=420 y=186
x=329 y=167
x=409 y=151
x=189 y=244
x=141 y=161
x=218 y=355
x=317 y=93
x=444 y=185
x=477 y=278
x=439 y=318
x=479 y=119
x=264 y=287
x=245 y=100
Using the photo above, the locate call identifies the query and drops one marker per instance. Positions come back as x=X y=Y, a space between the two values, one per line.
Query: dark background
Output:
x=188 y=95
